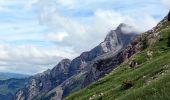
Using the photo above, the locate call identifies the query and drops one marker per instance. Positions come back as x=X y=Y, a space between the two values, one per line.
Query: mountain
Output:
x=5 y=76
x=143 y=73
x=9 y=87
x=68 y=75
x=107 y=62
x=10 y=83
x=116 y=39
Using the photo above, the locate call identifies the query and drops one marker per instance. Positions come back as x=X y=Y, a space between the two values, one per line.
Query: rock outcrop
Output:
x=44 y=82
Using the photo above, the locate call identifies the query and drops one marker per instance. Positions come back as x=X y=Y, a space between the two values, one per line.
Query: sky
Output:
x=36 y=34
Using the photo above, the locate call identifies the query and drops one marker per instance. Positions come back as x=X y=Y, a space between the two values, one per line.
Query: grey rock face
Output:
x=107 y=62
x=111 y=43
x=21 y=95
x=103 y=58
x=102 y=66
x=44 y=82
x=87 y=62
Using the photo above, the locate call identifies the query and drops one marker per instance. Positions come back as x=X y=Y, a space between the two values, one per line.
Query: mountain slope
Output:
x=117 y=40
x=9 y=87
x=143 y=75
x=10 y=83
x=114 y=42
x=66 y=71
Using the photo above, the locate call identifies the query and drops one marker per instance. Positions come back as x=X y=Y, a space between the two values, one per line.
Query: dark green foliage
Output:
x=127 y=84
x=145 y=42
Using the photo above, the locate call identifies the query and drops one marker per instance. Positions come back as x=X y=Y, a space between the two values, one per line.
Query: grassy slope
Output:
x=150 y=79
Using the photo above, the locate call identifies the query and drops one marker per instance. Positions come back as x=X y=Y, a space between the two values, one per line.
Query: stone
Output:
x=133 y=64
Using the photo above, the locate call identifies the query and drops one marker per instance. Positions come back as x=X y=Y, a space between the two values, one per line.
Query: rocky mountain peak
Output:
x=61 y=68
x=65 y=61
x=113 y=33
x=110 y=35
x=122 y=25
x=119 y=38
x=126 y=29
x=115 y=41
x=62 y=64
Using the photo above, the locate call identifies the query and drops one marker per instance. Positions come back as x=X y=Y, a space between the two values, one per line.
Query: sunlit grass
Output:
x=151 y=78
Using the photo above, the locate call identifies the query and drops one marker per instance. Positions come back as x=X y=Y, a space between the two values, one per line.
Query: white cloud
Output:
x=167 y=3
x=28 y=57
x=83 y=29
x=57 y=37
x=50 y=17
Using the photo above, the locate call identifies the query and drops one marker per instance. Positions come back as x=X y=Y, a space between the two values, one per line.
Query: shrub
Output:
x=127 y=84
x=144 y=42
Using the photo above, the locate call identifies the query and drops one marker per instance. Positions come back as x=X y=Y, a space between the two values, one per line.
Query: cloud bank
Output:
x=37 y=34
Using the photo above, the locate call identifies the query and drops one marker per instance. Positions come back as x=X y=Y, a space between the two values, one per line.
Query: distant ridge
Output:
x=8 y=75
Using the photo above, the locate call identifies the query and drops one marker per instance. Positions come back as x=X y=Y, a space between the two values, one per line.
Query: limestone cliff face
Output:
x=102 y=66
x=111 y=43
x=108 y=61
x=67 y=72
x=44 y=82
x=100 y=58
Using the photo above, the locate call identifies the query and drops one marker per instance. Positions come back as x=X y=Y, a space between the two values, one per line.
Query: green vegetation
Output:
x=10 y=86
x=150 y=80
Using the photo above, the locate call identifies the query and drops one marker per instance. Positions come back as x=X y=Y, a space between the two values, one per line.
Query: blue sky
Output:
x=36 y=34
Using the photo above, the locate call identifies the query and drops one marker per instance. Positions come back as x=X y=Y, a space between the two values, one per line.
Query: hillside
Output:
x=9 y=87
x=144 y=76
x=10 y=83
